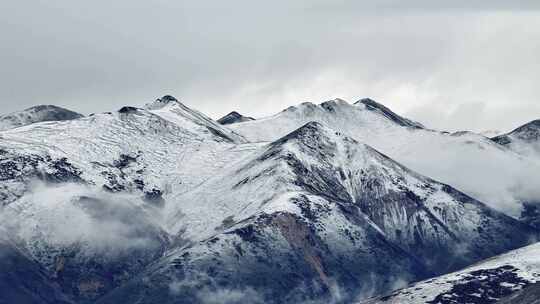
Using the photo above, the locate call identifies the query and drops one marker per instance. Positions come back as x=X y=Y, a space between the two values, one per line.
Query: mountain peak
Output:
x=316 y=138
x=330 y=105
x=529 y=132
x=234 y=117
x=162 y=102
x=372 y=105
x=39 y=113
x=309 y=130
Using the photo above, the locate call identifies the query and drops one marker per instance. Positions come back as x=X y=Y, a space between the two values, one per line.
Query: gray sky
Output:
x=461 y=65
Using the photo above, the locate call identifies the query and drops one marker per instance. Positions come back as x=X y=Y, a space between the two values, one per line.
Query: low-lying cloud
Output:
x=79 y=216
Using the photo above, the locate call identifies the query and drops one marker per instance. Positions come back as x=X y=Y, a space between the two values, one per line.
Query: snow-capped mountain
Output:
x=36 y=114
x=162 y=149
x=502 y=277
x=234 y=117
x=163 y=204
x=316 y=215
x=524 y=140
x=471 y=162
x=57 y=176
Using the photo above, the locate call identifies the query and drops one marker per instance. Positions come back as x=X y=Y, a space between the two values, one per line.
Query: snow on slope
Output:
x=483 y=283
x=172 y=110
x=468 y=161
x=36 y=114
x=165 y=149
x=317 y=215
x=58 y=179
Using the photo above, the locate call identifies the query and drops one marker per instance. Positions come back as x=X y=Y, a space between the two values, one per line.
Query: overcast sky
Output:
x=461 y=65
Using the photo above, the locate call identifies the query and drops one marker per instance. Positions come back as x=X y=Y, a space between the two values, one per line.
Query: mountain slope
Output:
x=468 y=161
x=525 y=139
x=23 y=280
x=528 y=295
x=484 y=283
x=36 y=114
x=233 y=117
x=316 y=215
x=87 y=241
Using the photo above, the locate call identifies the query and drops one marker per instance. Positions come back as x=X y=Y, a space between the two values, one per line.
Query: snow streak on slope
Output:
x=483 y=283
x=36 y=114
x=471 y=162
x=317 y=215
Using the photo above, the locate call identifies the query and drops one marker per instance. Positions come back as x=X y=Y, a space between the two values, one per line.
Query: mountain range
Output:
x=330 y=202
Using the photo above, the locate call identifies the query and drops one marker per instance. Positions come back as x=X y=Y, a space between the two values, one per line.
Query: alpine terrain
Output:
x=327 y=203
